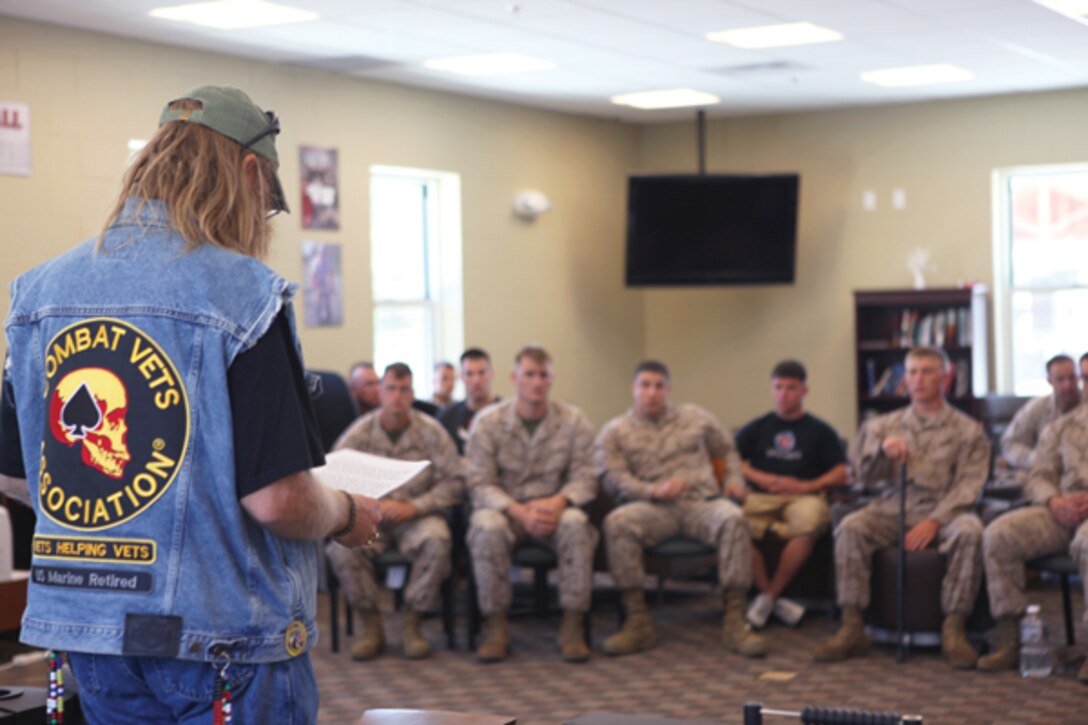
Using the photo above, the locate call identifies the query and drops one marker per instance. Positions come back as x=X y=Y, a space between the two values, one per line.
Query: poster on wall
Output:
x=322 y=296
x=320 y=188
x=14 y=138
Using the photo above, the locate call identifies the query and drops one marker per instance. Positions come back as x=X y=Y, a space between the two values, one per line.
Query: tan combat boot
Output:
x=637 y=633
x=737 y=636
x=1006 y=652
x=572 y=641
x=372 y=639
x=961 y=655
x=415 y=644
x=496 y=639
x=849 y=641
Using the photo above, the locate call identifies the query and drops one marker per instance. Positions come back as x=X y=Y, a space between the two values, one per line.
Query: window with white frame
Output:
x=1040 y=271
x=415 y=266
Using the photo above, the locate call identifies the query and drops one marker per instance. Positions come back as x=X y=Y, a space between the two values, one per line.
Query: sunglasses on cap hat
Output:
x=279 y=200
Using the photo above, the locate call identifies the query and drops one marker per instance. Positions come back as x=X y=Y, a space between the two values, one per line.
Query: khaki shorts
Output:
x=787 y=516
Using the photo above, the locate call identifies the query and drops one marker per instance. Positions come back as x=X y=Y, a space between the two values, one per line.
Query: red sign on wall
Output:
x=14 y=138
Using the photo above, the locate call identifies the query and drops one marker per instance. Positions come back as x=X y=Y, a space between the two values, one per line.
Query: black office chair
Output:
x=679 y=556
x=389 y=559
x=1063 y=566
x=333 y=406
x=535 y=555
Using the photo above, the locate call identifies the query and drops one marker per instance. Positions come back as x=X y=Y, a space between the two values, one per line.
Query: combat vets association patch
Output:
x=117 y=425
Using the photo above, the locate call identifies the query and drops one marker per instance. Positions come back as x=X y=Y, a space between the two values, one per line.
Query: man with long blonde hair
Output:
x=178 y=523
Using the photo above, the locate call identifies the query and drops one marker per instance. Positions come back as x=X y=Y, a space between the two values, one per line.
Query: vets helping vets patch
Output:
x=117 y=426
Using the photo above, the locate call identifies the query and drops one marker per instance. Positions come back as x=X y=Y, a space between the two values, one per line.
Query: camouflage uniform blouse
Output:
x=438 y=487
x=1061 y=458
x=949 y=462
x=635 y=454
x=505 y=465
x=1020 y=438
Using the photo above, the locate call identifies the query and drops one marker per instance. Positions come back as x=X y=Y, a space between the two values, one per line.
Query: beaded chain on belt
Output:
x=54 y=705
x=222 y=712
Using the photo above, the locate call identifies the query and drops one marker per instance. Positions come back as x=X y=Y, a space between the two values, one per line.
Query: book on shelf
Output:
x=892 y=381
x=950 y=379
x=942 y=328
x=963 y=381
x=964 y=324
x=882 y=382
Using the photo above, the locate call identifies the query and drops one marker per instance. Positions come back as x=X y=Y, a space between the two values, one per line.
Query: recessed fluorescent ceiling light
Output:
x=1076 y=9
x=676 y=98
x=234 y=14
x=775 y=36
x=491 y=64
x=918 y=75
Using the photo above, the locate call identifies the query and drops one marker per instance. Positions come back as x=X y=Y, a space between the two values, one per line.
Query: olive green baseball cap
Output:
x=230 y=112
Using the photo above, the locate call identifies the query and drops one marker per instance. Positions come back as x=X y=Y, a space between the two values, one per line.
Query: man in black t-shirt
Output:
x=790 y=458
x=476 y=374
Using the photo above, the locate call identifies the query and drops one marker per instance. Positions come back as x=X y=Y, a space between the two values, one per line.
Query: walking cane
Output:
x=901 y=568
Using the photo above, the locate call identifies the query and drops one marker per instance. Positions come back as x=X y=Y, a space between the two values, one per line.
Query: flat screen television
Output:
x=712 y=229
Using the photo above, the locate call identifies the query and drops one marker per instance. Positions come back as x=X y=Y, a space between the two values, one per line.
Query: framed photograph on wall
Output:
x=322 y=296
x=14 y=138
x=320 y=185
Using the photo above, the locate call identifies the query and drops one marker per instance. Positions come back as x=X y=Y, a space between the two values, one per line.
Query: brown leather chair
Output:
x=922 y=604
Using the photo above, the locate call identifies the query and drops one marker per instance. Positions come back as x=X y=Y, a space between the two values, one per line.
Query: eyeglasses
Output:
x=273 y=128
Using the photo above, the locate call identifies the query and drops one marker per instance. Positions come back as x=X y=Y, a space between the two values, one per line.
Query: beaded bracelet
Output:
x=351 y=517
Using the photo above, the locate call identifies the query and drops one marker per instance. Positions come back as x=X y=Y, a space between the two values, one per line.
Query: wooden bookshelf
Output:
x=888 y=323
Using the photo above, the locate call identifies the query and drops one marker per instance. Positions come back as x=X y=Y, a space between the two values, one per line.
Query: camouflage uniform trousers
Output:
x=426 y=541
x=492 y=536
x=1020 y=536
x=864 y=532
x=639 y=524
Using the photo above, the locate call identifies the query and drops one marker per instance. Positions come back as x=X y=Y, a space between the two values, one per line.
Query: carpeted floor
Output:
x=687 y=675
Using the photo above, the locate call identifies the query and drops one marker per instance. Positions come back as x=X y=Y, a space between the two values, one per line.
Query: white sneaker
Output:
x=759 y=611
x=789 y=611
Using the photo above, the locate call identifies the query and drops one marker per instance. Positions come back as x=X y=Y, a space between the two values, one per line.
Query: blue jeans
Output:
x=117 y=690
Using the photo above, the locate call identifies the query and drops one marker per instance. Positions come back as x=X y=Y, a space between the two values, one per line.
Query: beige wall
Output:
x=557 y=281
x=722 y=342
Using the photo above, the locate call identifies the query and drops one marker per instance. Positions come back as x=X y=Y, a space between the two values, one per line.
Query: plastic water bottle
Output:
x=1034 y=653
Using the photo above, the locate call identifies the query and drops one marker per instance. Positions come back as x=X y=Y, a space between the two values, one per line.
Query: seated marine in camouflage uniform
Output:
x=660 y=462
x=529 y=469
x=1022 y=435
x=947 y=458
x=1057 y=521
x=412 y=516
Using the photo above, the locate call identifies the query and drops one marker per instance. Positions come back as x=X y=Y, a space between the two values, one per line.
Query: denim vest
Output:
x=141 y=546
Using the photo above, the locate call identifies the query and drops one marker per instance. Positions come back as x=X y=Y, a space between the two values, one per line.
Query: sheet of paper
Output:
x=370 y=475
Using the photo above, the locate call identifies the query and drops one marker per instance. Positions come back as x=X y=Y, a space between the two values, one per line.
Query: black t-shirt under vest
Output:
x=805 y=448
